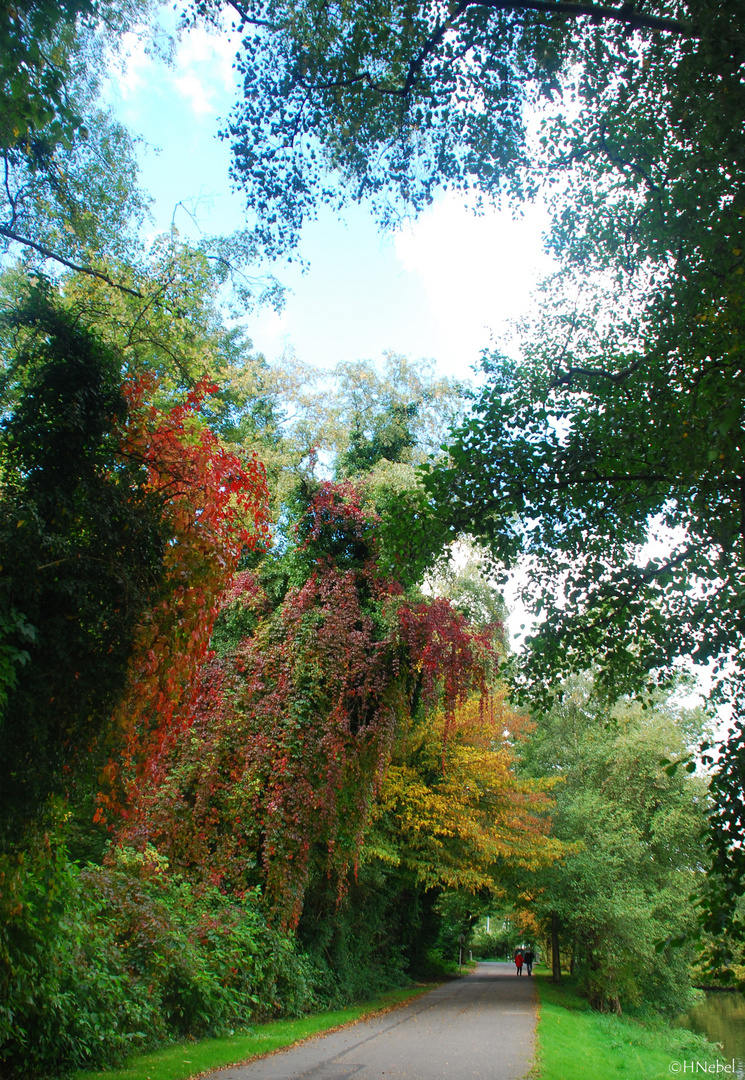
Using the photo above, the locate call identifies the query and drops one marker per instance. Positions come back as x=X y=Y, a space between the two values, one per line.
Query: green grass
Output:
x=575 y=1043
x=189 y=1059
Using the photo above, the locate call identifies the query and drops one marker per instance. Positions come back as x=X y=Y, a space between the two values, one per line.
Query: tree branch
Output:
x=249 y=20
x=598 y=478
x=613 y=376
x=598 y=12
x=624 y=163
x=416 y=65
x=671 y=564
x=10 y=234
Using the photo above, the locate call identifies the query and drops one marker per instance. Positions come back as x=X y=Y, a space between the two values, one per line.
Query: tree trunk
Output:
x=555 y=959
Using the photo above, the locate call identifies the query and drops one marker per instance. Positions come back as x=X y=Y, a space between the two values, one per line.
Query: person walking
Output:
x=529 y=958
x=519 y=962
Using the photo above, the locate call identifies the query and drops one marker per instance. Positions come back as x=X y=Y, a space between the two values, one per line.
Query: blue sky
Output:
x=441 y=288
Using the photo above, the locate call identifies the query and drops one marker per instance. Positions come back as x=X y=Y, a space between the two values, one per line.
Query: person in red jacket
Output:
x=519 y=962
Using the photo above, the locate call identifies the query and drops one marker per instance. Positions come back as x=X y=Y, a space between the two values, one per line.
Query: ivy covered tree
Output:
x=292 y=732
x=121 y=525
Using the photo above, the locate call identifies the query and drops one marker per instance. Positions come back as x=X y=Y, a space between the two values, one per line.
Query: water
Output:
x=721 y=1018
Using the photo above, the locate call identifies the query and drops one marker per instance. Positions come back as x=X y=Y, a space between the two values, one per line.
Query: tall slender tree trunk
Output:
x=555 y=959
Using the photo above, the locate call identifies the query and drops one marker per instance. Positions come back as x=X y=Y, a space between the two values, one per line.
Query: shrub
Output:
x=97 y=962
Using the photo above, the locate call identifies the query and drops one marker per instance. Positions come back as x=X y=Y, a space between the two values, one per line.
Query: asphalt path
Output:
x=481 y=1026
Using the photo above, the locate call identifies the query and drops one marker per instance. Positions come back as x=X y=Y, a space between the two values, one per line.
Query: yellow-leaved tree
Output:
x=452 y=810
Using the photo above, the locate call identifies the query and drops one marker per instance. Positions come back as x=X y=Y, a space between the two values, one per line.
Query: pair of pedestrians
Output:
x=527 y=958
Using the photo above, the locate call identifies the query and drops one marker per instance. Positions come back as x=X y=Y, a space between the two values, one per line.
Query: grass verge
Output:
x=575 y=1043
x=190 y=1059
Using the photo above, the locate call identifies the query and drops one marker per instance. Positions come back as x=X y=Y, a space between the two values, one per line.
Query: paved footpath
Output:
x=481 y=1027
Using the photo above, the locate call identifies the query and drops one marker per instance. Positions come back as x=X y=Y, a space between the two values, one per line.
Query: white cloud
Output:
x=196 y=92
x=131 y=67
x=477 y=270
x=212 y=52
x=203 y=71
x=200 y=71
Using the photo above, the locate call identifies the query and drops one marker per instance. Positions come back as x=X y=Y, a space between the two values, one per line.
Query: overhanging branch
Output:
x=91 y=271
x=568 y=376
x=625 y=15
x=598 y=12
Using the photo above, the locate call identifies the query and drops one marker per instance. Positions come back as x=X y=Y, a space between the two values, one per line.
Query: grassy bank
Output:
x=189 y=1059
x=575 y=1043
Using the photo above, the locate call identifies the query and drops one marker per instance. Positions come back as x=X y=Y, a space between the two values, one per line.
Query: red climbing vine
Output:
x=213 y=507
x=292 y=731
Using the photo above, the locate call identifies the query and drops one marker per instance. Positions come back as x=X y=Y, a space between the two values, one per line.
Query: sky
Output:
x=443 y=288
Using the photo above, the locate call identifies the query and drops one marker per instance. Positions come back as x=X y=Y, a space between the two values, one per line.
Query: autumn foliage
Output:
x=453 y=811
x=213 y=508
x=293 y=731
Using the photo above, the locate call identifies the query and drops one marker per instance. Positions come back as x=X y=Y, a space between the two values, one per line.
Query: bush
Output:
x=360 y=944
x=95 y=963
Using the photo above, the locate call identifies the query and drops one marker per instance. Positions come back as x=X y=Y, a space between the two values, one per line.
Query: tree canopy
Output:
x=395 y=100
x=626 y=411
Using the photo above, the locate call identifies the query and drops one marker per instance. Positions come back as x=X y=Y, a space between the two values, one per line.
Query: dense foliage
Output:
x=121 y=526
x=97 y=963
x=82 y=551
x=453 y=812
x=621 y=897
x=626 y=416
x=295 y=723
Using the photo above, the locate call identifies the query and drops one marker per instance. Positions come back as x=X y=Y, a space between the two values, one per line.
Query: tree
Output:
x=571 y=459
x=277 y=767
x=34 y=63
x=121 y=525
x=82 y=550
x=395 y=100
x=626 y=412
x=620 y=897
x=399 y=414
x=452 y=810
x=63 y=157
x=70 y=200
x=75 y=205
